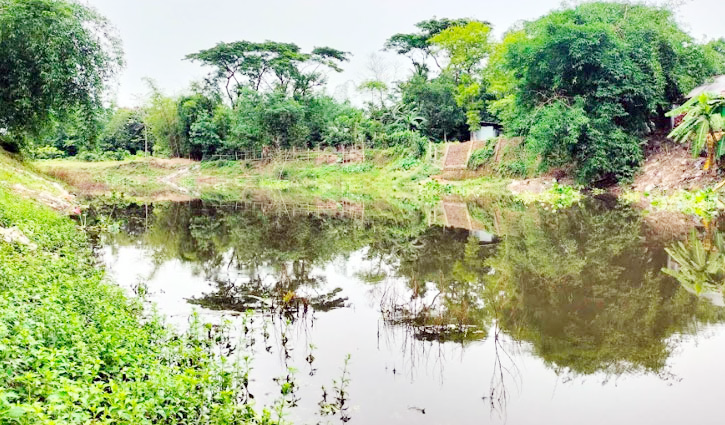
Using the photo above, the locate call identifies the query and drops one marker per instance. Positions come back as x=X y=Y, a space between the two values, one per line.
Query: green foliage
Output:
x=46 y=152
x=274 y=65
x=163 y=121
x=415 y=144
x=125 y=131
x=435 y=101
x=586 y=83
x=56 y=57
x=558 y=197
x=480 y=157
x=203 y=137
x=704 y=203
x=406 y=163
x=433 y=190
x=75 y=350
x=283 y=121
x=93 y=156
x=467 y=47
x=419 y=43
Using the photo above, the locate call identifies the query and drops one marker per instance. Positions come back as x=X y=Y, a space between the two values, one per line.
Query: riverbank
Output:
x=659 y=187
x=76 y=349
x=383 y=175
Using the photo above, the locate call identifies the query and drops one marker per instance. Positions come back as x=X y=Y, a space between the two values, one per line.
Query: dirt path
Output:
x=172 y=179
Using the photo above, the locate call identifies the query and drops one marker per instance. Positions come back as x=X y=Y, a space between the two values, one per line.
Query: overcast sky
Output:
x=157 y=34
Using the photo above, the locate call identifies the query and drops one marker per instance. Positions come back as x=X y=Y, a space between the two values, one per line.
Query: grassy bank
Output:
x=74 y=349
x=385 y=175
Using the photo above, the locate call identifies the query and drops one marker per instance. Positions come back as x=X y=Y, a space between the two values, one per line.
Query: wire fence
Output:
x=269 y=155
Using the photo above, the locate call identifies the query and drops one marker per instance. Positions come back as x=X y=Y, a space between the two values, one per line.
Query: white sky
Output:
x=157 y=34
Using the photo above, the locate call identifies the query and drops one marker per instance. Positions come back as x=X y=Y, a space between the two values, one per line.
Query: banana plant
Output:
x=702 y=125
x=700 y=264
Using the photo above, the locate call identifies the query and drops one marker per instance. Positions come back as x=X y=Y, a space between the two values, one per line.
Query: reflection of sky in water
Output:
x=448 y=380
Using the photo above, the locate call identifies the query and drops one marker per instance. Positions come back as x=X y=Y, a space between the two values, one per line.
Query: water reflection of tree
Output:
x=251 y=253
x=581 y=286
x=449 y=262
x=585 y=291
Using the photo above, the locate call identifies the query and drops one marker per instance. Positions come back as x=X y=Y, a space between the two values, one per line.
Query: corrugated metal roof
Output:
x=715 y=87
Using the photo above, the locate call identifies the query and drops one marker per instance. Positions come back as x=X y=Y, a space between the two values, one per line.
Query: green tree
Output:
x=162 y=118
x=204 y=137
x=435 y=100
x=56 y=57
x=417 y=46
x=125 y=131
x=375 y=87
x=283 y=121
x=467 y=47
x=190 y=109
x=614 y=67
x=269 y=65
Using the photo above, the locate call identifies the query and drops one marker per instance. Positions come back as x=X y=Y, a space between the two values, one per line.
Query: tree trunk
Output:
x=710 y=151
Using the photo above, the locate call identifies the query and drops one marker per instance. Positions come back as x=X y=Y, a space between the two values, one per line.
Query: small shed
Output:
x=716 y=86
x=488 y=130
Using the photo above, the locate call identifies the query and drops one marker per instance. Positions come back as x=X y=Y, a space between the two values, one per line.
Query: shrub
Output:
x=480 y=157
x=88 y=156
x=585 y=84
x=414 y=142
x=75 y=349
x=406 y=163
x=46 y=152
x=357 y=168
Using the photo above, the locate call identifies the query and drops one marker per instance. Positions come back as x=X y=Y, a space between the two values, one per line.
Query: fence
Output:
x=340 y=209
x=268 y=155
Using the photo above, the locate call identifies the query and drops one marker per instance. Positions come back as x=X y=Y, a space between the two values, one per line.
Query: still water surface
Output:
x=488 y=313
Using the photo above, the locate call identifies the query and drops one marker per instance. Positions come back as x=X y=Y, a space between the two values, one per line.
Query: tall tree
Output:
x=417 y=46
x=269 y=65
x=467 y=47
x=587 y=83
x=56 y=57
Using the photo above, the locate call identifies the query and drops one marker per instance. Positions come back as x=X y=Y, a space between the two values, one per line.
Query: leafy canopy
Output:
x=269 y=65
x=599 y=74
x=56 y=57
x=467 y=47
x=417 y=46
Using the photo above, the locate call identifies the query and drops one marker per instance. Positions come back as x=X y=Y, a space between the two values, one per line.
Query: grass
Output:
x=74 y=349
x=385 y=175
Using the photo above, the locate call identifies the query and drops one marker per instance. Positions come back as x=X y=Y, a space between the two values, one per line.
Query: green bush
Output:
x=414 y=142
x=357 y=168
x=515 y=168
x=46 y=152
x=406 y=164
x=480 y=157
x=584 y=85
x=92 y=156
x=75 y=350
x=88 y=156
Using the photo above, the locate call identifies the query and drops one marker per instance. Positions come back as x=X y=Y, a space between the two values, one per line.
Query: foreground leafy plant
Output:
x=702 y=125
x=74 y=349
x=559 y=196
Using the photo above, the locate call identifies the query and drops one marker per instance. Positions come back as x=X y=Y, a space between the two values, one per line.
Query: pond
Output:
x=491 y=312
